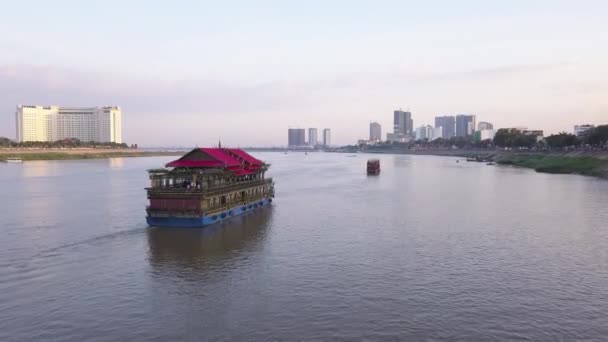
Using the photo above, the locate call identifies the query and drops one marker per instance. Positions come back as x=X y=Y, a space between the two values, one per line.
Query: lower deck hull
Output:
x=205 y=220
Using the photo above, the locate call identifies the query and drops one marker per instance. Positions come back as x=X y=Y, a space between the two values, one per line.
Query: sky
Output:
x=188 y=73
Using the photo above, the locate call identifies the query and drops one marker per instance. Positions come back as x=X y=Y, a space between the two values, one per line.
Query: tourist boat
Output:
x=206 y=186
x=14 y=160
x=373 y=167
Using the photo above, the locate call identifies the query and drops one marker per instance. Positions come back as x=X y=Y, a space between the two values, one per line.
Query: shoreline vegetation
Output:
x=588 y=166
x=588 y=163
x=29 y=154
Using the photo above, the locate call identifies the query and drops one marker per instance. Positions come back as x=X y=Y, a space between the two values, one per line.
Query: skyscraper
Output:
x=296 y=137
x=403 y=125
x=375 y=132
x=447 y=124
x=326 y=137
x=465 y=125
x=312 y=137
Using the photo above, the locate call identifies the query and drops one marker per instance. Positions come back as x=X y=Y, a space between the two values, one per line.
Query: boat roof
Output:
x=235 y=160
x=373 y=160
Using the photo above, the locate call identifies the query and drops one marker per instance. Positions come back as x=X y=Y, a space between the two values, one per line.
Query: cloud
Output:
x=140 y=95
x=150 y=104
x=501 y=71
x=189 y=111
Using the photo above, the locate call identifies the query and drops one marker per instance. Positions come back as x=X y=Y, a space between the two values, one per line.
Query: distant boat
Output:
x=373 y=167
x=491 y=163
x=14 y=160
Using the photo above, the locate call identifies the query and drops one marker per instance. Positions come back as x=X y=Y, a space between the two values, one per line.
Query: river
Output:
x=430 y=249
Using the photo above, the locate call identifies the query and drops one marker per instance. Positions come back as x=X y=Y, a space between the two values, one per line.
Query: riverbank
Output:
x=589 y=163
x=78 y=153
x=589 y=166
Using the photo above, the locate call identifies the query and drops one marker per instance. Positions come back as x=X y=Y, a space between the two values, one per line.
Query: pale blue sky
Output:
x=187 y=72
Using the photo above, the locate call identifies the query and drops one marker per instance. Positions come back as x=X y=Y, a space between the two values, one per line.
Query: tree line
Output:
x=595 y=137
x=63 y=143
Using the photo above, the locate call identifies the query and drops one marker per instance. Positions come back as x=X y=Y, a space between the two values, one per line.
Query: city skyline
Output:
x=501 y=62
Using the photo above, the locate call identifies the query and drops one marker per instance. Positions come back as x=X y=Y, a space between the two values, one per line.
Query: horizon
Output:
x=191 y=73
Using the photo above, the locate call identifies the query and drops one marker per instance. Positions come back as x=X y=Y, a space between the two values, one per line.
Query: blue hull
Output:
x=205 y=220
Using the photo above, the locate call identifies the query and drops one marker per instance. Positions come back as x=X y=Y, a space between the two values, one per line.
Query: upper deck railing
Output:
x=215 y=190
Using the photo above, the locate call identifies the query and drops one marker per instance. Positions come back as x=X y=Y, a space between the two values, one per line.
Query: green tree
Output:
x=513 y=138
x=597 y=136
x=503 y=138
x=561 y=139
x=459 y=142
x=5 y=142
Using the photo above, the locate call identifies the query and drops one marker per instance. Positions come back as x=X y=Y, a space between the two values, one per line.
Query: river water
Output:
x=430 y=250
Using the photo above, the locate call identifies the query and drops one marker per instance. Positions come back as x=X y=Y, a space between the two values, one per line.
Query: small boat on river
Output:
x=206 y=186
x=14 y=160
x=373 y=167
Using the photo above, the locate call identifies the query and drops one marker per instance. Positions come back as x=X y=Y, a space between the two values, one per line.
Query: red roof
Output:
x=245 y=156
x=233 y=159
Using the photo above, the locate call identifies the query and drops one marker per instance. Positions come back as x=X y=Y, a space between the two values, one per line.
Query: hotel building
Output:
x=52 y=123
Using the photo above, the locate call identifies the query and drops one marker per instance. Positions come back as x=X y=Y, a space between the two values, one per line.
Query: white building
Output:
x=580 y=130
x=312 y=137
x=425 y=132
x=52 y=123
x=487 y=134
x=420 y=133
x=437 y=133
x=326 y=137
x=429 y=132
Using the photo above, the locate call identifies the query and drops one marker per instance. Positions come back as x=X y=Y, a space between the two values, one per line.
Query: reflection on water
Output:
x=116 y=163
x=429 y=250
x=195 y=248
x=32 y=169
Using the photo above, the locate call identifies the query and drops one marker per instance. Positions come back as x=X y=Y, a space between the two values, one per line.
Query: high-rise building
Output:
x=403 y=125
x=312 y=137
x=465 y=125
x=581 y=130
x=52 y=123
x=326 y=137
x=447 y=124
x=482 y=126
x=375 y=132
x=296 y=137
